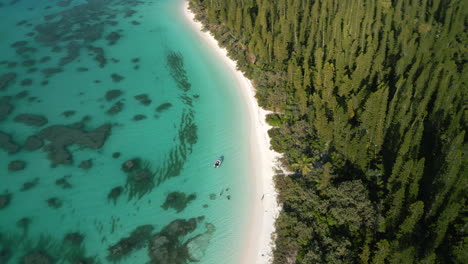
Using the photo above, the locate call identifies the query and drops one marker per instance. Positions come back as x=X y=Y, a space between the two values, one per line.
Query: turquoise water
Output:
x=194 y=116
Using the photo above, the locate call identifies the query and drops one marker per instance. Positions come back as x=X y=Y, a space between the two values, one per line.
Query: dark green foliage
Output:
x=274 y=120
x=371 y=97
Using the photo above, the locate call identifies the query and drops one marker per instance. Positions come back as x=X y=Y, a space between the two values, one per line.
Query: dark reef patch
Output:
x=44 y=83
x=63 y=182
x=82 y=69
x=28 y=63
x=99 y=55
x=116 y=155
x=112 y=94
x=167 y=247
x=26 y=82
x=135 y=23
x=115 y=108
x=49 y=72
x=36 y=257
x=175 y=62
x=178 y=201
x=12 y=64
x=6 y=79
x=5 y=107
x=23 y=50
x=31 y=119
x=138 y=239
x=33 y=69
x=163 y=107
x=73 y=52
x=7 y=143
x=24 y=224
x=140 y=178
x=61 y=137
x=113 y=37
x=5 y=200
x=29 y=185
x=139 y=117
x=115 y=193
x=143 y=99
x=117 y=77
x=69 y=113
x=54 y=202
x=22 y=94
x=44 y=59
x=86 y=164
x=135 y=60
x=33 y=143
x=74 y=238
x=20 y=43
x=16 y=165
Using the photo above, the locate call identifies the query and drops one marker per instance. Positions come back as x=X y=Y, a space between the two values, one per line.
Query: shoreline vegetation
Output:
x=370 y=113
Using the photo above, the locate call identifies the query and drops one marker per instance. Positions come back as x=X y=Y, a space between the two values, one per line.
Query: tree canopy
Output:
x=371 y=113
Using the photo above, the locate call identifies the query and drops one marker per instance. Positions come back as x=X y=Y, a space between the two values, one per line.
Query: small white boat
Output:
x=218 y=162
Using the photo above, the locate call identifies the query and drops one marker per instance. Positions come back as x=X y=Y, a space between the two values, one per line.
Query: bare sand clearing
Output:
x=258 y=245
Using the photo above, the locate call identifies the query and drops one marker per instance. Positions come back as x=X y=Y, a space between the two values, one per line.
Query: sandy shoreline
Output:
x=258 y=245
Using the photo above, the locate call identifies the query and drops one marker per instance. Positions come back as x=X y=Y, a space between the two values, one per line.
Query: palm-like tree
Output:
x=304 y=164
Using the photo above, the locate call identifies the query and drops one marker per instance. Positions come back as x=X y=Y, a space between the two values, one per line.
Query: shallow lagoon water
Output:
x=157 y=55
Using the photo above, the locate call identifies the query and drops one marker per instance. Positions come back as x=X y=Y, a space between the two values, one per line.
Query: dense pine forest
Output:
x=370 y=112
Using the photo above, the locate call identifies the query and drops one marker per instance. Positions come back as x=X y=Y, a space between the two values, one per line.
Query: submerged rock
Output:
x=16 y=165
x=24 y=223
x=178 y=201
x=19 y=44
x=163 y=107
x=166 y=247
x=140 y=178
x=22 y=94
x=143 y=99
x=7 y=143
x=54 y=202
x=131 y=165
x=115 y=109
x=86 y=164
x=139 y=117
x=5 y=200
x=29 y=185
x=115 y=193
x=31 y=119
x=113 y=37
x=63 y=182
x=36 y=258
x=61 y=137
x=6 y=79
x=69 y=113
x=74 y=238
x=48 y=72
x=33 y=143
x=5 y=107
x=26 y=82
x=112 y=94
x=117 y=77
x=138 y=239
x=196 y=246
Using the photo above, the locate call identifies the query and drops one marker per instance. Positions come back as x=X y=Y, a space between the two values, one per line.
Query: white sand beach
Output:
x=258 y=245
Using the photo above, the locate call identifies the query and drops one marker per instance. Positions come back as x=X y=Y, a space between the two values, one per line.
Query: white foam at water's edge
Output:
x=263 y=208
